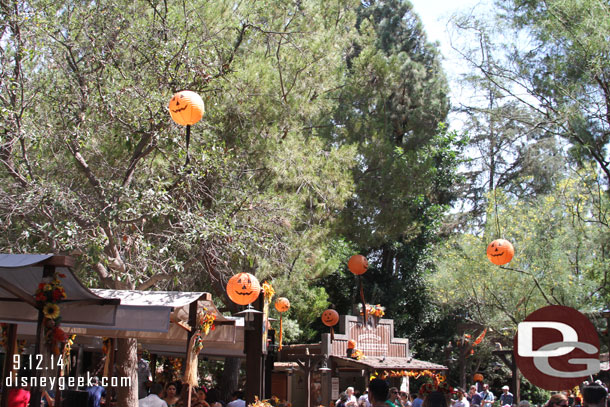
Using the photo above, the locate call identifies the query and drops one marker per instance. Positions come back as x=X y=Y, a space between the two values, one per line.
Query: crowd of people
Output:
x=381 y=394
x=175 y=394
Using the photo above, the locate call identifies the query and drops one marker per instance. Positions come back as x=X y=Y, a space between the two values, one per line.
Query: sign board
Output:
x=373 y=342
x=334 y=393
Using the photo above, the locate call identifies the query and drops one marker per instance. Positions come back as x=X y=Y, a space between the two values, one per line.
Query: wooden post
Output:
x=192 y=323
x=512 y=364
x=8 y=361
x=48 y=271
x=326 y=348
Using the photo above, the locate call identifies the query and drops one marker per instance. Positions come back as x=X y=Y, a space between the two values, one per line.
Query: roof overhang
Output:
x=20 y=275
x=387 y=363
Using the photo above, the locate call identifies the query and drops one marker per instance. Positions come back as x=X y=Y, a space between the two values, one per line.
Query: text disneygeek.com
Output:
x=64 y=383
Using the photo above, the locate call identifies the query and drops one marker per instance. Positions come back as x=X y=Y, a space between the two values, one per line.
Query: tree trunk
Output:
x=127 y=366
x=229 y=382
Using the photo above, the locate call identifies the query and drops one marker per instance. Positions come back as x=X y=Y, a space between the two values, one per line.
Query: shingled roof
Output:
x=392 y=363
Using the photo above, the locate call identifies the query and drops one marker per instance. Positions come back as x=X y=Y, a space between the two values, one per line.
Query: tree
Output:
x=391 y=107
x=92 y=165
x=562 y=73
x=508 y=149
x=560 y=257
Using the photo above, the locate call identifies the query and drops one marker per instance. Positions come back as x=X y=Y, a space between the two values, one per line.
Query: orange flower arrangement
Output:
x=47 y=296
x=205 y=324
x=375 y=310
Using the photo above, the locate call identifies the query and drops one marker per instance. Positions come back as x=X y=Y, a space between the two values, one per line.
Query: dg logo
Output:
x=556 y=348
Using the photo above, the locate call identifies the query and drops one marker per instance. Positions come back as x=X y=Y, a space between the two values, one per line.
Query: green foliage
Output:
x=559 y=257
x=99 y=170
x=391 y=106
x=565 y=68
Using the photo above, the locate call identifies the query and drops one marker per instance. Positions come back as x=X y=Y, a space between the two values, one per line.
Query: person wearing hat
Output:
x=506 y=399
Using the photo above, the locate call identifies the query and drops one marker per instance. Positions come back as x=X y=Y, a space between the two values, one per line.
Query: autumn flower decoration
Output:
x=268 y=291
x=376 y=311
x=357 y=354
x=205 y=324
x=440 y=384
x=274 y=401
x=48 y=296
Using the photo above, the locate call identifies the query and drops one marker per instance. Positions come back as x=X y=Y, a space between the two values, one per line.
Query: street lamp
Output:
x=324 y=367
x=249 y=313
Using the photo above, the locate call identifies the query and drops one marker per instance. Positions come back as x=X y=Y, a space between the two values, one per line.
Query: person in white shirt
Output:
x=351 y=399
x=461 y=401
x=238 y=400
x=363 y=401
x=153 y=399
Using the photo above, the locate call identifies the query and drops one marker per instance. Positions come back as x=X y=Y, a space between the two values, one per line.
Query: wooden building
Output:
x=315 y=374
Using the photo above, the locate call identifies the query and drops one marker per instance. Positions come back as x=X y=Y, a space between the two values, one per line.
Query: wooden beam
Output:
x=18 y=292
x=59 y=261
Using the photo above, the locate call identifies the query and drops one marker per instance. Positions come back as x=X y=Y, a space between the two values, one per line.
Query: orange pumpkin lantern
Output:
x=243 y=288
x=357 y=264
x=330 y=317
x=478 y=377
x=351 y=344
x=282 y=304
x=186 y=108
x=500 y=252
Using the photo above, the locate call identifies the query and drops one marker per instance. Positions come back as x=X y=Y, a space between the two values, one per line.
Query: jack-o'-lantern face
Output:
x=282 y=304
x=330 y=317
x=243 y=288
x=186 y=108
x=500 y=252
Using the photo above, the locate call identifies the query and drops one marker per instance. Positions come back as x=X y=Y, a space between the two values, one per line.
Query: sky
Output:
x=435 y=15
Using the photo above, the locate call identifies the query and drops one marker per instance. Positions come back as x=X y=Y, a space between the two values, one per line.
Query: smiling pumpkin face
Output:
x=186 y=108
x=500 y=252
x=243 y=288
x=330 y=317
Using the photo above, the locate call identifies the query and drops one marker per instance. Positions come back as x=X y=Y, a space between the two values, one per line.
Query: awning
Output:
x=154 y=318
x=20 y=275
x=387 y=363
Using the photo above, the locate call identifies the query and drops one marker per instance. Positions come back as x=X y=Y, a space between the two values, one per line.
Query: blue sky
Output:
x=435 y=15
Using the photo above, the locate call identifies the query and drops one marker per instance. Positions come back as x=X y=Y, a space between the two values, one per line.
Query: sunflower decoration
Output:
x=50 y=310
x=47 y=296
x=205 y=324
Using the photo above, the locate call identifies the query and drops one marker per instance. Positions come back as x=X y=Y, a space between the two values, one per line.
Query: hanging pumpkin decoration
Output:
x=243 y=288
x=358 y=264
x=186 y=108
x=330 y=317
x=500 y=252
x=478 y=377
x=281 y=305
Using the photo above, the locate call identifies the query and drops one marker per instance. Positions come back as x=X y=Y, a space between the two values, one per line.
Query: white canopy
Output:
x=157 y=320
x=20 y=275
